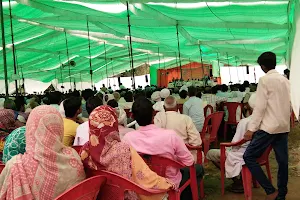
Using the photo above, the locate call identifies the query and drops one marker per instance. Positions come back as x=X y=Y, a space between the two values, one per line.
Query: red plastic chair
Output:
x=208 y=109
x=86 y=190
x=231 y=107
x=1 y=167
x=209 y=133
x=180 y=108
x=199 y=161
x=77 y=148
x=246 y=174
x=116 y=186
x=159 y=165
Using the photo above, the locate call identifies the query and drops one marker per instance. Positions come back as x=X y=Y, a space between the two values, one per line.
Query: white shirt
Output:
x=194 y=108
x=182 y=124
x=234 y=157
x=272 y=108
x=82 y=134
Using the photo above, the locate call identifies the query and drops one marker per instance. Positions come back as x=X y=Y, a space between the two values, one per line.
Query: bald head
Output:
x=170 y=103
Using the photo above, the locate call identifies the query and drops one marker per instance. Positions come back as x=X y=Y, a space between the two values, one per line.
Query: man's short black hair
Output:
x=224 y=88
x=87 y=93
x=54 y=97
x=246 y=83
x=71 y=106
x=183 y=94
x=128 y=96
x=268 y=60
x=192 y=91
x=92 y=103
x=20 y=103
x=142 y=111
x=242 y=88
x=113 y=103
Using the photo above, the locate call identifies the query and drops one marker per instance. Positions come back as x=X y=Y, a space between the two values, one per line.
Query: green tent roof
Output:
x=240 y=30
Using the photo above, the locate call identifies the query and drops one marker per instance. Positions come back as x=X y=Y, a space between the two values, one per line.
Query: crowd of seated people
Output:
x=40 y=143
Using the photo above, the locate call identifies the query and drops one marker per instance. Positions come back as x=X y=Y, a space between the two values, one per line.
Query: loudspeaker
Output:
x=146 y=78
x=247 y=69
x=119 y=81
x=210 y=73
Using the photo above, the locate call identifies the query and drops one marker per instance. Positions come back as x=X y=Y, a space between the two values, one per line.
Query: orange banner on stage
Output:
x=189 y=71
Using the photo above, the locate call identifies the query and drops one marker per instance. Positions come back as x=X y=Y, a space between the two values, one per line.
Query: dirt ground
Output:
x=212 y=175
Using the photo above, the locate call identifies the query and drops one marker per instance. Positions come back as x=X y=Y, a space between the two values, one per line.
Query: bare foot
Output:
x=272 y=196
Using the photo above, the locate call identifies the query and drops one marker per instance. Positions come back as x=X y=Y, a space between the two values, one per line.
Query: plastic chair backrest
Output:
x=1 y=167
x=180 y=108
x=86 y=190
x=208 y=109
x=116 y=186
x=232 y=108
x=77 y=148
x=216 y=120
x=159 y=164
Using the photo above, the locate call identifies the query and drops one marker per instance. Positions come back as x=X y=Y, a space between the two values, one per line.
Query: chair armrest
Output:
x=199 y=152
x=126 y=184
x=227 y=144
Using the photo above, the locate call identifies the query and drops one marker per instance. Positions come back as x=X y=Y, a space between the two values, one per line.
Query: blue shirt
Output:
x=194 y=108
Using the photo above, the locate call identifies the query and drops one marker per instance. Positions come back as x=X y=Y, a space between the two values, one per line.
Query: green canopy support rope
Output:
x=130 y=42
x=13 y=47
x=68 y=60
x=4 y=50
x=91 y=69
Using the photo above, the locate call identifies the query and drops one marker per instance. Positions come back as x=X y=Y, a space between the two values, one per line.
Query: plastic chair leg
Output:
x=269 y=171
x=247 y=178
x=206 y=148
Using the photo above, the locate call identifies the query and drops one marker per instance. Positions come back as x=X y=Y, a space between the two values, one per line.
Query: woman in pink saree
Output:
x=47 y=168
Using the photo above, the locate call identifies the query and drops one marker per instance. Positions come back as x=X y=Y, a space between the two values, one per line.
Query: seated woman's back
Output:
x=47 y=168
x=106 y=151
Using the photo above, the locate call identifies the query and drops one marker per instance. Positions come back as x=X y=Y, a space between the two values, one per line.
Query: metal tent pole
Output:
x=229 y=69
x=201 y=58
x=91 y=69
x=130 y=42
x=159 y=66
x=61 y=75
x=237 y=72
x=4 y=50
x=68 y=61
x=13 y=47
x=179 y=55
x=105 y=64
x=191 y=68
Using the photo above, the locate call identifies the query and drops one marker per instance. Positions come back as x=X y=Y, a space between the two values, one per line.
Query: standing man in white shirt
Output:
x=269 y=125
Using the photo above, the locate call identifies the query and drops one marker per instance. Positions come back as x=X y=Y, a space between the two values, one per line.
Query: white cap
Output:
x=164 y=93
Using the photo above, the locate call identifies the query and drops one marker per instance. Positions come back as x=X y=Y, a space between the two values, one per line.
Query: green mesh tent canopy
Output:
x=237 y=29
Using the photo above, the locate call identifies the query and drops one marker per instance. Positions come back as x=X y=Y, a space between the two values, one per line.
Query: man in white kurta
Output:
x=182 y=124
x=234 y=156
